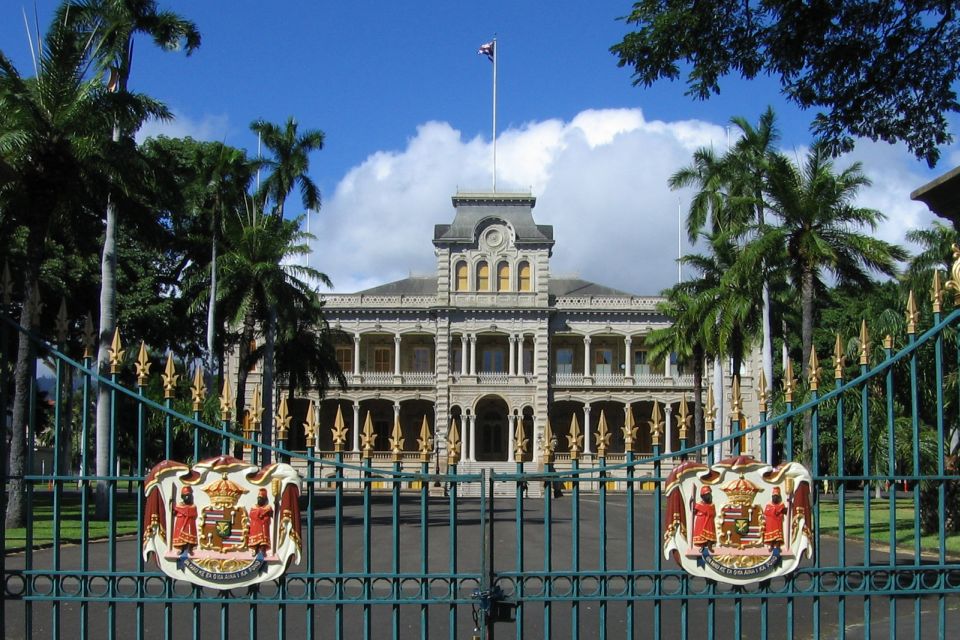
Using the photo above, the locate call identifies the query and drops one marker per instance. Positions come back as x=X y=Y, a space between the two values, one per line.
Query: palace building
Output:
x=495 y=343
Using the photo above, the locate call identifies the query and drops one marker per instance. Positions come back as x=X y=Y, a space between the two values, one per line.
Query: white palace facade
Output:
x=495 y=342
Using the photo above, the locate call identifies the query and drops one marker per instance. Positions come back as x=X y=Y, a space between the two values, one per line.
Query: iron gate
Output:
x=393 y=548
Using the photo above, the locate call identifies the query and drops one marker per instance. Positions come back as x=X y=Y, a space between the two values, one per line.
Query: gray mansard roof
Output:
x=427 y=286
x=513 y=208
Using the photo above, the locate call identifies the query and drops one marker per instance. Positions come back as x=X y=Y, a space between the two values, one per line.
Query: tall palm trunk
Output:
x=211 y=309
x=806 y=336
x=268 y=381
x=718 y=397
x=108 y=325
x=243 y=355
x=698 y=357
x=15 y=515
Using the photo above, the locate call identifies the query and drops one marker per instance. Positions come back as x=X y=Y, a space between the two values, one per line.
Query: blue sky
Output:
x=405 y=102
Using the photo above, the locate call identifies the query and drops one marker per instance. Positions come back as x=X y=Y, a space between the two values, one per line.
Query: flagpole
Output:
x=495 y=56
x=679 y=242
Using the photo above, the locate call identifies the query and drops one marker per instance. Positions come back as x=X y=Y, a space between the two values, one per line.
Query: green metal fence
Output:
x=395 y=550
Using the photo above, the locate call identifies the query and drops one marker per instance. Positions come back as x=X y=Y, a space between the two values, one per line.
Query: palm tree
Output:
x=112 y=26
x=686 y=337
x=289 y=164
x=58 y=159
x=936 y=253
x=820 y=228
x=259 y=275
x=305 y=354
x=750 y=166
x=730 y=196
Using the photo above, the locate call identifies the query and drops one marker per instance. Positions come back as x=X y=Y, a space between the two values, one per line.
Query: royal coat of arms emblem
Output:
x=739 y=521
x=222 y=523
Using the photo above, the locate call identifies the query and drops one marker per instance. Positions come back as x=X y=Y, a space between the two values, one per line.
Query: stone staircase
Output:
x=500 y=489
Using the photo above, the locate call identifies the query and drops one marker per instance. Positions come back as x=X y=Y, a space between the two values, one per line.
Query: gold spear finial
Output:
x=813 y=377
x=255 y=412
x=709 y=411
x=115 y=352
x=226 y=400
x=142 y=365
x=339 y=431
x=425 y=441
x=685 y=418
x=547 y=445
x=762 y=392
x=453 y=443
x=838 y=359
x=311 y=425
x=574 y=439
x=367 y=438
x=629 y=430
x=789 y=382
x=912 y=315
x=656 y=425
x=396 y=440
x=937 y=294
x=61 y=324
x=735 y=400
x=198 y=390
x=864 y=344
x=88 y=335
x=7 y=284
x=954 y=281
x=602 y=436
x=888 y=342
x=283 y=419
x=520 y=442
x=169 y=377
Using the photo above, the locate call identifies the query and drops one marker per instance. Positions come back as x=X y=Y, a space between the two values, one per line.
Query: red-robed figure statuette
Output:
x=773 y=515
x=185 y=522
x=260 y=516
x=704 y=519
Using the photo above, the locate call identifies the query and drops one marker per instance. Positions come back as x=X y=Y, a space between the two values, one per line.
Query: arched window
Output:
x=524 y=280
x=461 y=270
x=503 y=277
x=483 y=277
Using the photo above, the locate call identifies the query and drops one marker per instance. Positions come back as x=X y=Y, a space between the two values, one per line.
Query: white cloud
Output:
x=209 y=127
x=600 y=180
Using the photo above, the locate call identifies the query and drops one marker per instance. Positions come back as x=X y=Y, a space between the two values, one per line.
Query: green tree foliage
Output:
x=60 y=159
x=874 y=69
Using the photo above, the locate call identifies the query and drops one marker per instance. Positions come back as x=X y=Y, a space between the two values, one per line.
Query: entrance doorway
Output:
x=492 y=430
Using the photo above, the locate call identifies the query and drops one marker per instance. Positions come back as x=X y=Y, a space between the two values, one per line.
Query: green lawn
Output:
x=70 y=521
x=880 y=525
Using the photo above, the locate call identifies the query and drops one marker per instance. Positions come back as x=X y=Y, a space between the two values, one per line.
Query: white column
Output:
x=512 y=344
x=463 y=354
x=666 y=366
x=586 y=429
x=356 y=354
x=668 y=431
x=473 y=438
x=436 y=367
x=356 y=426
x=628 y=357
x=473 y=354
x=512 y=426
x=586 y=356
x=396 y=355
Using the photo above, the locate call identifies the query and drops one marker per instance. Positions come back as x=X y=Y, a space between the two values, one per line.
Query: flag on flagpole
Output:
x=487 y=49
